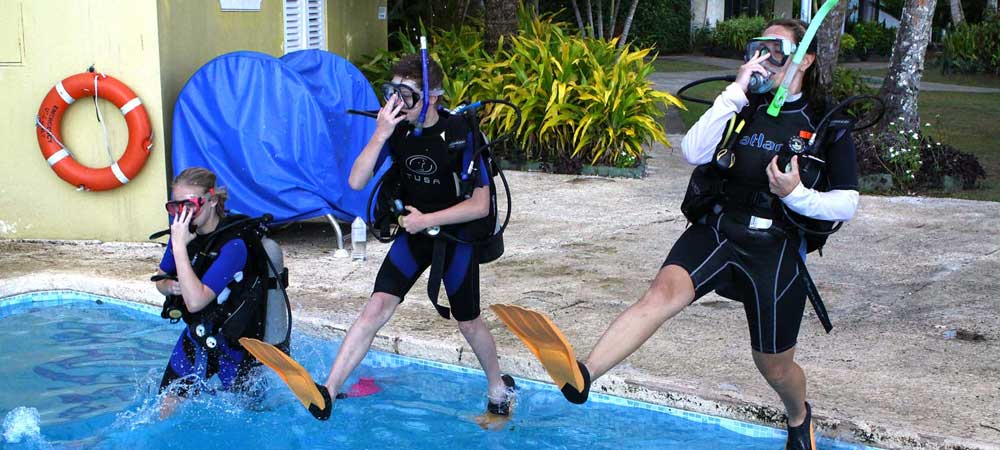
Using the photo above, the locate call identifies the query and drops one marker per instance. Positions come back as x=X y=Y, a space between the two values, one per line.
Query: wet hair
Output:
x=811 y=88
x=204 y=179
x=409 y=67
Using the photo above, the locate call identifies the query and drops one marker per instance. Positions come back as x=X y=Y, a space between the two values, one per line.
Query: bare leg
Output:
x=481 y=341
x=670 y=292
x=359 y=338
x=787 y=379
x=168 y=405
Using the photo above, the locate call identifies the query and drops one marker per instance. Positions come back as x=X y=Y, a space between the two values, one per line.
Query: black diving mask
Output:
x=777 y=49
x=409 y=96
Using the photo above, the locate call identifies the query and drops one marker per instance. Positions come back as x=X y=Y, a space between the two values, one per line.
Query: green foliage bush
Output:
x=847 y=44
x=664 y=25
x=873 y=39
x=973 y=48
x=913 y=158
x=581 y=99
x=730 y=36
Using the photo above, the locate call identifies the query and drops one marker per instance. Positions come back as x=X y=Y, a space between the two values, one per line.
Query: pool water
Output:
x=83 y=372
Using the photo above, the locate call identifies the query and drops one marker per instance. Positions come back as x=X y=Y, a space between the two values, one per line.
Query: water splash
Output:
x=21 y=424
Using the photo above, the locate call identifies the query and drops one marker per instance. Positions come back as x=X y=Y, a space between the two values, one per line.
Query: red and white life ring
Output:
x=47 y=127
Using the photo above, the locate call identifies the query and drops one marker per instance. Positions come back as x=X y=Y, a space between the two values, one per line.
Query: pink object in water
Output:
x=364 y=387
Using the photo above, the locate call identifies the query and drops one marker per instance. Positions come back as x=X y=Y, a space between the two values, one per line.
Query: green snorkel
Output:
x=782 y=92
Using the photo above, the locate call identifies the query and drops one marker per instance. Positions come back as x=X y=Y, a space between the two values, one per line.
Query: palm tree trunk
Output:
x=957 y=16
x=579 y=20
x=828 y=45
x=600 y=19
x=465 y=10
x=590 y=18
x=501 y=20
x=902 y=84
x=628 y=24
x=613 y=12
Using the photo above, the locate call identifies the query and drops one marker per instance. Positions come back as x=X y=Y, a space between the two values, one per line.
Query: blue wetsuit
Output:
x=193 y=363
x=428 y=166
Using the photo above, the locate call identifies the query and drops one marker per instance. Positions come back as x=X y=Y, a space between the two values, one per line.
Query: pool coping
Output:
x=634 y=390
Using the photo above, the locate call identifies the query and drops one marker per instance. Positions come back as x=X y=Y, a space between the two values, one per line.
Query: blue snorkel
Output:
x=426 y=103
x=782 y=93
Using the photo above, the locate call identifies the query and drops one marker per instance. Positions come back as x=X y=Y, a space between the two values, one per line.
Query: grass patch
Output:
x=964 y=120
x=960 y=119
x=707 y=91
x=934 y=75
x=674 y=65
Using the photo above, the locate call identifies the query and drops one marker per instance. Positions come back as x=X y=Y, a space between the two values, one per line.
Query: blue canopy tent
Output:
x=338 y=86
x=279 y=141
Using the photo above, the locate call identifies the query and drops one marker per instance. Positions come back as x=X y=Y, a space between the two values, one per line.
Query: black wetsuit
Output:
x=761 y=266
x=428 y=169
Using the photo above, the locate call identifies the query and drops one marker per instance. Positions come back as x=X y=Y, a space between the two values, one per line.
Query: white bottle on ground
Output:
x=359 y=237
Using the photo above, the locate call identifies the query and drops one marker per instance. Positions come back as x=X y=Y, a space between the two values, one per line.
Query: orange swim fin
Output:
x=314 y=397
x=544 y=339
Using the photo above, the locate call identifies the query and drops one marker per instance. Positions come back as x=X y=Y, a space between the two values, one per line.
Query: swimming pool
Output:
x=90 y=366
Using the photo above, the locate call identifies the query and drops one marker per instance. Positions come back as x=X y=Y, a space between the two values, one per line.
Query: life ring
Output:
x=47 y=127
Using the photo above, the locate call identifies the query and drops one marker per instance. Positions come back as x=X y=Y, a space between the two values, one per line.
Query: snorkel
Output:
x=800 y=53
x=427 y=89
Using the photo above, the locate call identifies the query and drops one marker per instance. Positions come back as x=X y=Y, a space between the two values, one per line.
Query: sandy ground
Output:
x=913 y=361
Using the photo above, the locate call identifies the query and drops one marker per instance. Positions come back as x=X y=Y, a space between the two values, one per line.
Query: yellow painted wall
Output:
x=192 y=32
x=153 y=46
x=60 y=38
x=354 y=29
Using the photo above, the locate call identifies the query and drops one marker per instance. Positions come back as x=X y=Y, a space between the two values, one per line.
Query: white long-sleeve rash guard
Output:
x=700 y=141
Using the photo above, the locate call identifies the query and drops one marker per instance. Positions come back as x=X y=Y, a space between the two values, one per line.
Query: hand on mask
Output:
x=746 y=71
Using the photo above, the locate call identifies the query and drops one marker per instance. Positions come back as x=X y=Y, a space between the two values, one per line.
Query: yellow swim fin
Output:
x=544 y=339
x=314 y=397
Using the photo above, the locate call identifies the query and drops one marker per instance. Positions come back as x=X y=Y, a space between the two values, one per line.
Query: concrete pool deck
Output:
x=911 y=285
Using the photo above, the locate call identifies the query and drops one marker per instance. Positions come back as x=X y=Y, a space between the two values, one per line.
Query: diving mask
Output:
x=777 y=49
x=194 y=204
x=408 y=95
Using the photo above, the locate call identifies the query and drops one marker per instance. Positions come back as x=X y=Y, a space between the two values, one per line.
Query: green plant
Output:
x=973 y=48
x=702 y=38
x=662 y=24
x=873 y=39
x=901 y=156
x=581 y=99
x=732 y=35
x=846 y=83
x=847 y=44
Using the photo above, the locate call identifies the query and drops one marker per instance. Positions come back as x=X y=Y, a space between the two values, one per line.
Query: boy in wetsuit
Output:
x=429 y=190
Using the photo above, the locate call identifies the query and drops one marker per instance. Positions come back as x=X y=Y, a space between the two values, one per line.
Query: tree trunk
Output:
x=828 y=45
x=991 y=9
x=501 y=20
x=902 y=84
x=590 y=19
x=465 y=10
x=600 y=19
x=579 y=20
x=957 y=16
x=628 y=24
x=613 y=12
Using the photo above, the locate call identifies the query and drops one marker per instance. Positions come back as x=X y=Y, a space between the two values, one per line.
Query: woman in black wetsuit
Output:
x=744 y=246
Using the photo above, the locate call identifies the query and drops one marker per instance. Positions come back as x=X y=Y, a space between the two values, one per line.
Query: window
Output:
x=304 y=25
